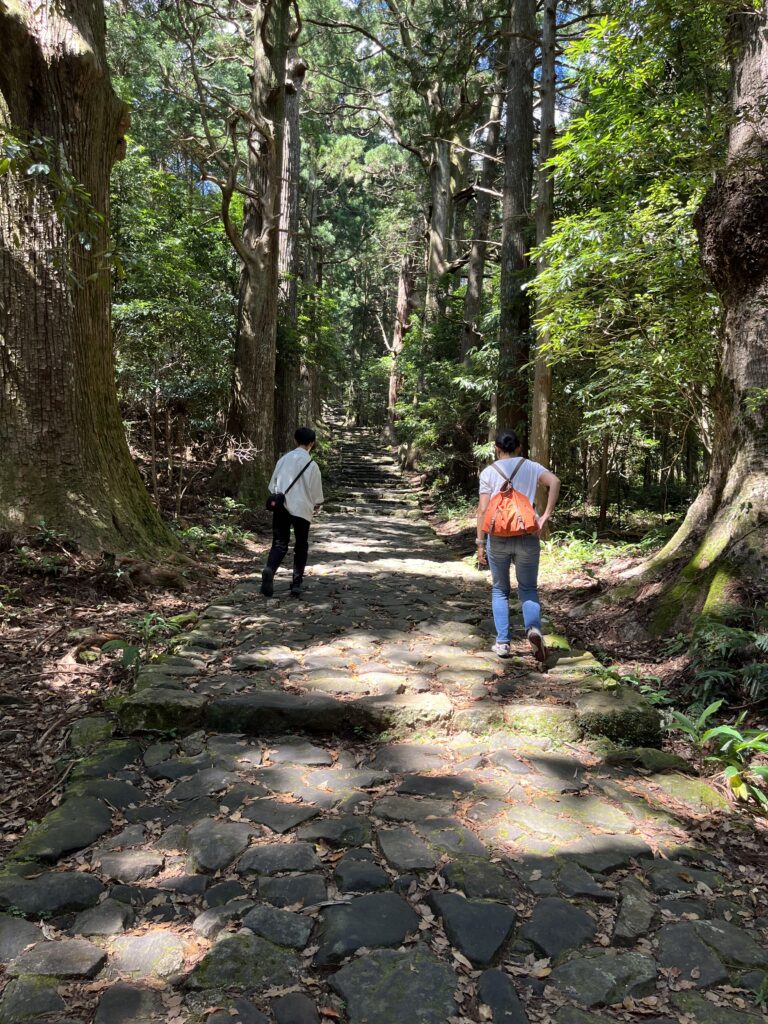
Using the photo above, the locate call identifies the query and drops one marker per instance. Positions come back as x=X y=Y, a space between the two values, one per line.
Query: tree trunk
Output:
x=516 y=218
x=63 y=453
x=252 y=410
x=473 y=299
x=721 y=550
x=406 y=287
x=542 y=376
x=439 y=225
x=287 y=361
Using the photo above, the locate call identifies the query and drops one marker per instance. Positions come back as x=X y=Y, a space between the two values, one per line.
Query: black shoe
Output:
x=267 y=587
x=296 y=588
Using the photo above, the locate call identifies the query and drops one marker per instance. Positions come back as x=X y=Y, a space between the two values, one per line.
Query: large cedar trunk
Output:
x=720 y=554
x=252 y=409
x=440 y=216
x=473 y=298
x=406 y=289
x=287 y=364
x=545 y=191
x=63 y=453
x=516 y=218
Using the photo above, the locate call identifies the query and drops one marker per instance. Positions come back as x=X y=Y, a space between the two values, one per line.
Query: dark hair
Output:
x=508 y=441
x=304 y=435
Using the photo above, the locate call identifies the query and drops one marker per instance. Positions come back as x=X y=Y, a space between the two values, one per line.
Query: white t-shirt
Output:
x=526 y=481
x=304 y=495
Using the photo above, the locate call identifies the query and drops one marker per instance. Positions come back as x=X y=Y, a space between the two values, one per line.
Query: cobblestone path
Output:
x=344 y=808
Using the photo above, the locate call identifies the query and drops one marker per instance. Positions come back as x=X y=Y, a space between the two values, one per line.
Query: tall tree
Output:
x=287 y=356
x=727 y=528
x=63 y=453
x=545 y=202
x=514 y=320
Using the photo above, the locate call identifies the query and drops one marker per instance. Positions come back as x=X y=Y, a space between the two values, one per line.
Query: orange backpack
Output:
x=509 y=513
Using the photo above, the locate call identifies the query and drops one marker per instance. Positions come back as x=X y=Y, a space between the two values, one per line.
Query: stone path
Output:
x=342 y=808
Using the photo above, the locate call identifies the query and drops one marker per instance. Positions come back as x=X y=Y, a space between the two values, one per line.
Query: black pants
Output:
x=282 y=521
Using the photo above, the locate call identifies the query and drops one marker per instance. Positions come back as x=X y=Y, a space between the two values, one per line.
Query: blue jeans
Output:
x=523 y=553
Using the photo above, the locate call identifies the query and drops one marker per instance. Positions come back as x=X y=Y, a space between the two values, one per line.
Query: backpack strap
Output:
x=515 y=471
x=305 y=467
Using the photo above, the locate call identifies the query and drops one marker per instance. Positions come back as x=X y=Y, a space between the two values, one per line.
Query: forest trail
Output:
x=356 y=812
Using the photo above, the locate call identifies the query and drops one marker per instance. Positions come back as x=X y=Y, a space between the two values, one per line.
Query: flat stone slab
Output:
x=74 y=825
x=51 y=893
x=30 y=999
x=278 y=815
x=282 y=927
x=407 y=808
x=358 y=872
x=349 y=830
x=556 y=926
x=161 y=709
x=68 y=958
x=382 y=919
x=300 y=890
x=212 y=845
x=437 y=787
x=635 y=917
x=156 y=954
x=668 y=877
x=477 y=928
x=681 y=948
x=405 y=851
x=202 y=783
x=245 y=962
x=387 y=986
x=295 y=1008
x=606 y=978
x=299 y=753
x=130 y=865
x=496 y=990
x=480 y=879
x=15 y=935
x=130 y=1004
x=108 y=918
x=701 y=1010
x=276 y=857
x=113 y=791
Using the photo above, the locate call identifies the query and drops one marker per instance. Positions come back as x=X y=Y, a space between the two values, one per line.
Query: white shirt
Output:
x=526 y=481
x=308 y=492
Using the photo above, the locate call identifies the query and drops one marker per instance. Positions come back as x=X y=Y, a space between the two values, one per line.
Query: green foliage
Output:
x=734 y=750
x=729 y=660
x=174 y=309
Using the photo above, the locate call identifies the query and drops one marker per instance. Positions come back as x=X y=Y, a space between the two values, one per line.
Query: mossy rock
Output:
x=88 y=732
x=694 y=793
x=555 y=723
x=555 y=642
x=161 y=709
x=650 y=758
x=244 y=962
x=621 y=714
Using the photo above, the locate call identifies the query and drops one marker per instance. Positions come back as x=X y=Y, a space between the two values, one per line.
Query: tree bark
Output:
x=438 y=254
x=252 y=410
x=545 y=201
x=473 y=298
x=287 y=359
x=406 y=289
x=516 y=218
x=63 y=453
x=720 y=553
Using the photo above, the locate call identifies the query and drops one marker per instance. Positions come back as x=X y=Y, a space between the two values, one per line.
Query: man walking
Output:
x=296 y=478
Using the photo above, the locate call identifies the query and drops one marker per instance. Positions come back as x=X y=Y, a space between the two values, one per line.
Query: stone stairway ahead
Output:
x=344 y=807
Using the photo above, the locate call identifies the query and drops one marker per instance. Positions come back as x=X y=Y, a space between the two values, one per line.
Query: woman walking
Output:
x=512 y=471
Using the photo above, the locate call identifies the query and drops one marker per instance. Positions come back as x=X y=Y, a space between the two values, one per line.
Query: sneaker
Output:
x=502 y=650
x=267 y=587
x=536 y=640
